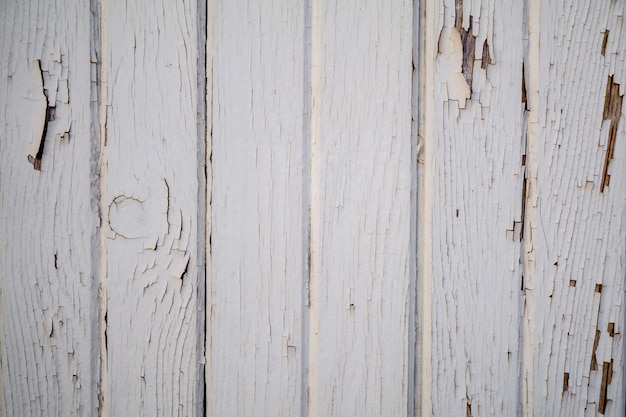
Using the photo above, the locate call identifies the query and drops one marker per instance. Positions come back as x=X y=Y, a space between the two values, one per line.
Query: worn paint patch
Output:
x=612 y=112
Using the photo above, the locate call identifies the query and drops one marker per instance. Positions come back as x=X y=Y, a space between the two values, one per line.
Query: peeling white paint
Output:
x=449 y=62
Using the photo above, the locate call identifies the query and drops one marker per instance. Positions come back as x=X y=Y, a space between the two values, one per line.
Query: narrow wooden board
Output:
x=152 y=329
x=474 y=173
x=259 y=210
x=47 y=215
x=362 y=183
x=577 y=209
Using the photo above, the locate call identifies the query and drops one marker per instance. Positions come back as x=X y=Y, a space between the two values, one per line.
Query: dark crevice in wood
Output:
x=468 y=41
x=523 y=215
x=524 y=93
x=182 y=276
x=486 y=58
x=565 y=381
x=105 y=332
x=49 y=116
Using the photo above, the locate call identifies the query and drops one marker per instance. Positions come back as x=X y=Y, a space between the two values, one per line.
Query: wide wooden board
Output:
x=259 y=210
x=152 y=323
x=48 y=221
x=361 y=211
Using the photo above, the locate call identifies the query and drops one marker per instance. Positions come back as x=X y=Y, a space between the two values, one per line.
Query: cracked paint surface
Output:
x=528 y=283
x=47 y=216
x=150 y=200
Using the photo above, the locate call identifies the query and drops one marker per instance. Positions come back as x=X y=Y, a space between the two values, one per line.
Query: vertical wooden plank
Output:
x=577 y=208
x=361 y=209
x=150 y=208
x=474 y=168
x=47 y=215
x=259 y=209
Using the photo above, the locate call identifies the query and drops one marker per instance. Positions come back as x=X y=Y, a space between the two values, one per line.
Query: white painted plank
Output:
x=474 y=160
x=150 y=209
x=259 y=210
x=47 y=216
x=361 y=208
x=576 y=213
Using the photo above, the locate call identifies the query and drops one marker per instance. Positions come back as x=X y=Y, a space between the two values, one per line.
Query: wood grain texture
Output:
x=577 y=213
x=475 y=159
x=150 y=201
x=361 y=212
x=259 y=210
x=47 y=216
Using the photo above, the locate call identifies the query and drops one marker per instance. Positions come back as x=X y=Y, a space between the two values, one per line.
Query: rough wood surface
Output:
x=47 y=214
x=259 y=210
x=361 y=210
x=152 y=332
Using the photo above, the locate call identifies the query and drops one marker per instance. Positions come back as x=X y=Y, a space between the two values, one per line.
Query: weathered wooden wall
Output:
x=521 y=139
x=314 y=208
